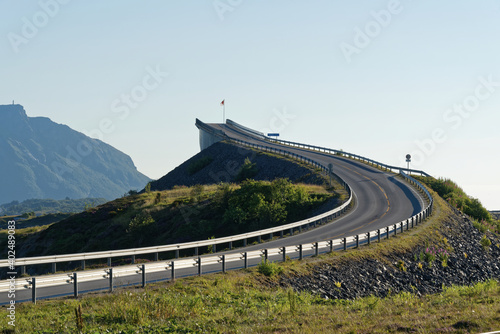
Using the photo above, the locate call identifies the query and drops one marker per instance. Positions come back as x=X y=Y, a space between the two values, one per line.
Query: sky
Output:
x=376 y=78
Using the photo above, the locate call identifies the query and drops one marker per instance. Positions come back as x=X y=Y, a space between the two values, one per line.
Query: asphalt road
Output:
x=381 y=199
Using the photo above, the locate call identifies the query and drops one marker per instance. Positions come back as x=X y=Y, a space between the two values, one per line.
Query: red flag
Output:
x=222 y=103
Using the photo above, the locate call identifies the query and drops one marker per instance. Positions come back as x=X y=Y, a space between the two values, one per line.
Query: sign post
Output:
x=330 y=171
x=408 y=160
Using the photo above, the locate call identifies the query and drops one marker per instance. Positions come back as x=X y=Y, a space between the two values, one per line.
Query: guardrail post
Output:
x=378 y=235
x=369 y=241
x=214 y=248
x=402 y=226
x=230 y=245
x=110 y=272
x=300 y=229
x=33 y=290
x=223 y=259
x=330 y=243
x=176 y=253
x=83 y=264
x=245 y=260
x=109 y=262
x=316 y=248
x=281 y=234
x=357 y=240
x=395 y=229
x=283 y=252
x=344 y=240
x=271 y=236
x=172 y=268
x=266 y=254
x=259 y=239
x=132 y=259
x=54 y=268
x=157 y=256
x=196 y=251
x=143 y=270
x=387 y=230
x=23 y=270
x=75 y=285
x=407 y=224
x=291 y=231
x=412 y=222
x=300 y=252
x=244 y=242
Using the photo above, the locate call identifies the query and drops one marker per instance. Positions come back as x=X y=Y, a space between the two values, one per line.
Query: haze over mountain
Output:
x=42 y=159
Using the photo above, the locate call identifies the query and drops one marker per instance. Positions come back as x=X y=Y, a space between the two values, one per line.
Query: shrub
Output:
x=269 y=268
x=247 y=171
x=196 y=193
x=456 y=197
x=485 y=242
x=401 y=265
x=139 y=221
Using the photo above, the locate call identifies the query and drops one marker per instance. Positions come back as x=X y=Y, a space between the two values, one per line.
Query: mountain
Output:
x=43 y=159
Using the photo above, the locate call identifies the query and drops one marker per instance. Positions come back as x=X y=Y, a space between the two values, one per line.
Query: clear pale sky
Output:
x=376 y=78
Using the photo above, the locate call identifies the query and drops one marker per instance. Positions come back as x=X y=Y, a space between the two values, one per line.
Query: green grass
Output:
x=239 y=302
x=248 y=301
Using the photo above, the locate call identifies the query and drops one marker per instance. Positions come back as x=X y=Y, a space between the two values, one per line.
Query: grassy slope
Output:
x=246 y=301
x=179 y=215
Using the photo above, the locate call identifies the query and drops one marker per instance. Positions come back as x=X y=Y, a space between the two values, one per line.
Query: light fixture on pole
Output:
x=408 y=160
x=223 y=111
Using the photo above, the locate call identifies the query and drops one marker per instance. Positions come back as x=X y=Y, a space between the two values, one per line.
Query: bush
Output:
x=269 y=268
x=485 y=242
x=141 y=220
x=456 y=197
x=247 y=171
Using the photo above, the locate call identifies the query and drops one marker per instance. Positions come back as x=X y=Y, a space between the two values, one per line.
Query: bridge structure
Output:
x=382 y=201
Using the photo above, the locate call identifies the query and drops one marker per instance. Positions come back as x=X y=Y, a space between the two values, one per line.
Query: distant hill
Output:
x=43 y=159
x=45 y=206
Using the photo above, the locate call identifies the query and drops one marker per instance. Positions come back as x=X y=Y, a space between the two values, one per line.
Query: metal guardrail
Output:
x=297 y=251
x=348 y=155
x=172 y=265
x=319 y=219
x=248 y=130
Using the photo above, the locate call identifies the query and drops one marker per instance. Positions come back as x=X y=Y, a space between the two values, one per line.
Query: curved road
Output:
x=381 y=199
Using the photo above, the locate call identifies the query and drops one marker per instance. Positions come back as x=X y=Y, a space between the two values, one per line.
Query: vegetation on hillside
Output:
x=179 y=215
x=457 y=198
x=45 y=206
